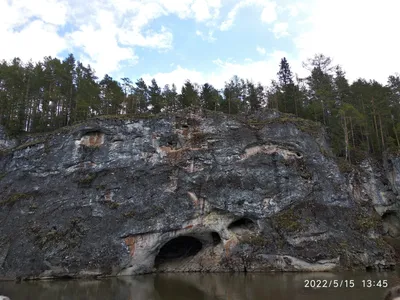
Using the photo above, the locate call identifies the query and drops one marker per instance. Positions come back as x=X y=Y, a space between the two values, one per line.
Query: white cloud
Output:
x=177 y=76
x=101 y=45
x=261 y=50
x=160 y=40
x=296 y=8
x=206 y=37
x=201 y=10
x=107 y=31
x=359 y=35
x=268 y=14
x=29 y=29
x=29 y=43
x=49 y=11
x=259 y=71
x=280 y=29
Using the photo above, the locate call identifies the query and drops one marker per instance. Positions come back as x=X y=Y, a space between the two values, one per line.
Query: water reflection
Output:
x=180 y=286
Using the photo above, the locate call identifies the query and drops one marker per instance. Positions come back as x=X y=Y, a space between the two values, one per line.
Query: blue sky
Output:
x=205 y=40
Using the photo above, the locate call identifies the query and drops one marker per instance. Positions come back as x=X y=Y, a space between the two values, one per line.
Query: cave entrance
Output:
x=216 y=238
x=242 y=224
x=177 y=249
x=391 y=224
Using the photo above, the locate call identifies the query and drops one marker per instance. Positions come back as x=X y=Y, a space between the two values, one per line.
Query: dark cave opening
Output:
x=391 y=224
x=216 y=238
x=178 y=248
x=243 y=223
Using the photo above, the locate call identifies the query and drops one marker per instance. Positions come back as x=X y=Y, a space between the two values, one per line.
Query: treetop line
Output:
x=361 y=118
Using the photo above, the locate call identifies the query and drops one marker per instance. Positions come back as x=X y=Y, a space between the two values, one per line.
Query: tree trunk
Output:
x=346 y=136
x=352 y=132
x=383 y=138
x=375 y=122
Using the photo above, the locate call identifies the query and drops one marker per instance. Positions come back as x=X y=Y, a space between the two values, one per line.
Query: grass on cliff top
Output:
x=29 y=144
x=308 y=126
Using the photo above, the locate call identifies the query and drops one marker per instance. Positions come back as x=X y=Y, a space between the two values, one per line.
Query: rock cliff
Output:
x=194 y=191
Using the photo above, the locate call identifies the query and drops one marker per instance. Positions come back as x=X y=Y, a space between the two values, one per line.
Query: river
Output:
x=196 y=286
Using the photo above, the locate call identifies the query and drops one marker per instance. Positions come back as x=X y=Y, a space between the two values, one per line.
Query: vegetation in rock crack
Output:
x=14 y=198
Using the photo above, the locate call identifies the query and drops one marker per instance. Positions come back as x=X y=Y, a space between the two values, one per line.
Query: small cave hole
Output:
x=93 y=138
x=216 y=238
x=391 y=224
x=243 y=223
x=299 y=155
x=178 y=248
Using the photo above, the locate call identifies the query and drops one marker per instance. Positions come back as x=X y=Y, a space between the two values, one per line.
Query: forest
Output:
x=362 y=118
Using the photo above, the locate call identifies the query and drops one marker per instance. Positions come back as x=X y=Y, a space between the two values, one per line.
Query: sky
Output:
x=205 y=40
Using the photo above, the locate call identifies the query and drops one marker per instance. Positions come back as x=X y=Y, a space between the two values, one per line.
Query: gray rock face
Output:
x=5 y=142
x=190 y=192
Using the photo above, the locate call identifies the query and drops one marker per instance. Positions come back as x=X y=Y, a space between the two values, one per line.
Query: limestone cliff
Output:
x=189 y=192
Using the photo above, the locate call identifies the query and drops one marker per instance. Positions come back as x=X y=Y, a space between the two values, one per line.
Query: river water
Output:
x=196 y=286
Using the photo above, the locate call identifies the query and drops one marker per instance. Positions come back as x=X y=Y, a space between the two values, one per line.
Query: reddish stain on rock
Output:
x=165 y=149
x=228 y=246
x=130 y=243
x=94 y=139
x=188 y=227
x=107 y=196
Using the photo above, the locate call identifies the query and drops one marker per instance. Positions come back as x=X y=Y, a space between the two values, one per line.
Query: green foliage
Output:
x=101 y=187
x=287 y=220
x=112 y=205
x=308 y=126
x=70 y=236
x=209 y=97
x=366 y=222
x=344 y=166
x=189 y=95
x=254 y=240
x=87 y=179
x=129 y=214
x=14 y=198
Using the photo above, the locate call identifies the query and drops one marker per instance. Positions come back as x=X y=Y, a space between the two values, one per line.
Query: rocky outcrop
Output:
x=195 y=191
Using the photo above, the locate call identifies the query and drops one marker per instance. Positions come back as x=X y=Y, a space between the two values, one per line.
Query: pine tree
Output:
x=112 y=96
x=320 y=84
x=141 y=96
x=253 y=97
x=189 y=95
x=287 y=92
x=128 y=104
x=156 y=99
x=209 y=97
